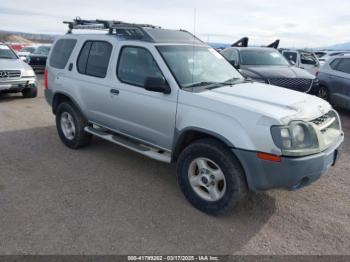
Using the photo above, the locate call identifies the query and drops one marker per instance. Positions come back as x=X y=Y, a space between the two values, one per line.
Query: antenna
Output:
x=194 y=39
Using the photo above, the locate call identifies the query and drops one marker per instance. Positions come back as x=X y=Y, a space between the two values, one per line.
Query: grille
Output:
x=37 y=61
x=9 y=74
x=300 y=84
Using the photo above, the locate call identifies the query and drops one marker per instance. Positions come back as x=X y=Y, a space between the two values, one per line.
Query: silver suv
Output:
x=15 y=75
x=167 y=95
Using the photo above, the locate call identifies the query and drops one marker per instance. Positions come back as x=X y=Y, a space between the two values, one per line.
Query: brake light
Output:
x=269 y=157
x=46 y=80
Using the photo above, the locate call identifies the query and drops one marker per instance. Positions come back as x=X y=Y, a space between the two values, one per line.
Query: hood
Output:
x=266 y=72
x=13 y=64
x=278 y=103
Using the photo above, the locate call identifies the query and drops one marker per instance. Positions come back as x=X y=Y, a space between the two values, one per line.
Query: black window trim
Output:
x=88 y=56
x=118 y=62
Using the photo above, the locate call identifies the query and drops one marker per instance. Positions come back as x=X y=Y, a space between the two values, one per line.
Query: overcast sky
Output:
x=298 y=23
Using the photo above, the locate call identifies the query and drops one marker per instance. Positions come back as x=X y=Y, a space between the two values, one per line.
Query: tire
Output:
x=217 y=156
x=30 y=92
x=323 y=93
x=70 y=126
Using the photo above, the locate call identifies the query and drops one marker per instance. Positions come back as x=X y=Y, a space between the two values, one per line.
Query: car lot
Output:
x=105 y=199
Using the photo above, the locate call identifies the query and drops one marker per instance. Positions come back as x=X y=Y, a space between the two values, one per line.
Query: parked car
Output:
x=329 y=54
x=267 y=65
x=37 y=59
x=168 y=96
x=25 y=51
x=334 y=79
x=15 y=75
x=302 y=59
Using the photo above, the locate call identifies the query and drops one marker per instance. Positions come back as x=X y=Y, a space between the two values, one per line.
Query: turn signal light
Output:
x=269 y=157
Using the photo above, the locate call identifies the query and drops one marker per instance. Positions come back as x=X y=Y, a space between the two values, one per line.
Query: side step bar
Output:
x=130 y=144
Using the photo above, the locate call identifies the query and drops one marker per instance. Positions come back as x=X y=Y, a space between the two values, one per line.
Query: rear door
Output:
x=340 y=81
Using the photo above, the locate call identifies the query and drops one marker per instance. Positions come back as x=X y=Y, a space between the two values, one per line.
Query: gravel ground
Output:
x=105 y=199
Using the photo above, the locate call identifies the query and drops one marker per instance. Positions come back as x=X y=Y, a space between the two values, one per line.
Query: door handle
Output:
x=70 y=67
x=114 y=92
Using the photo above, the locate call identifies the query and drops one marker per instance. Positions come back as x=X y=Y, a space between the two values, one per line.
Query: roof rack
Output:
x=121 y=29
x=243 y=42
x=274 y=44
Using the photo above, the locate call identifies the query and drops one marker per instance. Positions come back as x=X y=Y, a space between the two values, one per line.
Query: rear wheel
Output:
x=70 y=126
x=30 y=92
x=211 y=177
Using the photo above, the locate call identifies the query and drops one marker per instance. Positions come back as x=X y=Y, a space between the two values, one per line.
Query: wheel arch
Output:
x=60 y=97
x=187 y=136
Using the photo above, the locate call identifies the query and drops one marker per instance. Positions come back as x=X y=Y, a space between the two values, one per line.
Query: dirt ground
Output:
x=105 y=199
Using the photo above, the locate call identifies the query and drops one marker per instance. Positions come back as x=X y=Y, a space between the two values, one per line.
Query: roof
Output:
x=254 y=48
x=131 y=31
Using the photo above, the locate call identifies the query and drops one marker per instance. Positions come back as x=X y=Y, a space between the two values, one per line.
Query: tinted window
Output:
x=94 y=57
x=61 y=52
x=344 y=65
x=334 y=63
x=308 y=58
x=135 y=65
x=230 y=55
x=291 y=56
x=42 y=50
x=262 y=57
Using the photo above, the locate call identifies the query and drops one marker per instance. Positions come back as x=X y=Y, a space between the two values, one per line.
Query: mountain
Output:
x=20 y=37
x=342 y=47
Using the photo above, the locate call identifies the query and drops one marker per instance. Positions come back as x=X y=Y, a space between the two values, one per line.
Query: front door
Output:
x=137 y=112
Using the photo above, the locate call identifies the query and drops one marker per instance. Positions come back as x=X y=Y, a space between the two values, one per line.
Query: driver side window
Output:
x=135 y=65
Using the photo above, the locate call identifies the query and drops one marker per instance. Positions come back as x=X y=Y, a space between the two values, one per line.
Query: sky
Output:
x=298 y=23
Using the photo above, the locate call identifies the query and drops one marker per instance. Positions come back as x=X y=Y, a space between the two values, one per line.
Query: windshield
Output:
x=6 y=52
x=42 y=50
x=197 y=65
x=262 y=57
x=28 y=49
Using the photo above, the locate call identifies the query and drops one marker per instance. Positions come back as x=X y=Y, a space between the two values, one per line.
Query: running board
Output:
x=130 y=144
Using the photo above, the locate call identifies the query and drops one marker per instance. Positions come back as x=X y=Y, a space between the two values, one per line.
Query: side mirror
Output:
x=157 y=84
x=234 y=63
x=292 y=62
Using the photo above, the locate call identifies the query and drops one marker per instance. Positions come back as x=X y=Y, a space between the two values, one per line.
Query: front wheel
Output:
x=323 y=93
x=30 y=92
x=211 y=177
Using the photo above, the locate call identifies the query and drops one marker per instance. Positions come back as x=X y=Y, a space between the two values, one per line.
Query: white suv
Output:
x=15 y=75
x=167 y=95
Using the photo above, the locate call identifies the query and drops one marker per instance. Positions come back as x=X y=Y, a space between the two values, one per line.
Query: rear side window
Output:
x=61 y=53
x=135 y=65
x=334 y=63
x=290 y=56
x=343 y=65
x=94 y=58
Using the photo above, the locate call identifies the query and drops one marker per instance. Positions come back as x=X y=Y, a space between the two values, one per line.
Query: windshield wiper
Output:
x=204 y=83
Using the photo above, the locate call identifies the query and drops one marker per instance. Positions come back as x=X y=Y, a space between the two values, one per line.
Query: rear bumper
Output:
x=291 y=173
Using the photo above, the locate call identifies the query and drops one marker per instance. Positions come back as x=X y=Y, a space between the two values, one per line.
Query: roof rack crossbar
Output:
x=122 y=29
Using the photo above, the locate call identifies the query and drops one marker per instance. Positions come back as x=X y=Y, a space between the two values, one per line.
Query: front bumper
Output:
x=17 y=85
x=291 y=173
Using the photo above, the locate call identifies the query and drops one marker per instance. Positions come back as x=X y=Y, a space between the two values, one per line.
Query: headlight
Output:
x=298 y=138
x=28 y=73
